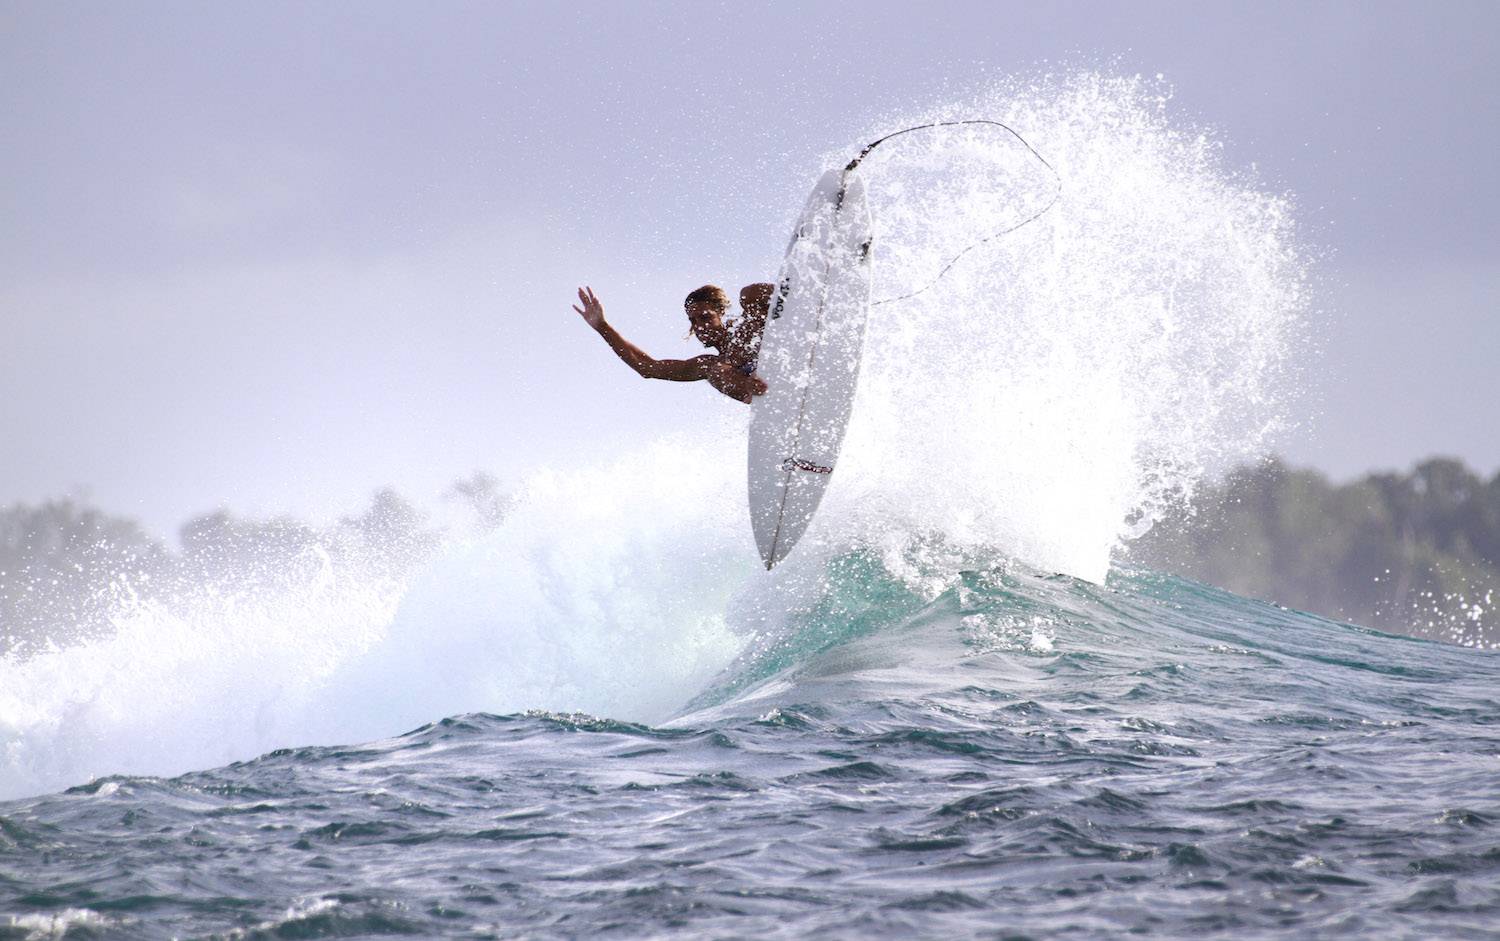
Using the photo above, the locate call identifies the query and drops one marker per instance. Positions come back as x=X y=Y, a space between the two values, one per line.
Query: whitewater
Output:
x=956 y=709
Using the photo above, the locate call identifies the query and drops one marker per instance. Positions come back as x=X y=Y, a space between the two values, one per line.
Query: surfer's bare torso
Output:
x=731 y=370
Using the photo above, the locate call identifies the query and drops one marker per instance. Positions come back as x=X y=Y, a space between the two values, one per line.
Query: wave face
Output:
x=983 y=746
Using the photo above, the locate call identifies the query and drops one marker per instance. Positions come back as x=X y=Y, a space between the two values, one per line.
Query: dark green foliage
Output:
x=60 y=568
x=1415 y=553
x=66 y=568
x=482 y=495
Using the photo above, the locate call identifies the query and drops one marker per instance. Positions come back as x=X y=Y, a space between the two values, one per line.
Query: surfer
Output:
x=731 y=370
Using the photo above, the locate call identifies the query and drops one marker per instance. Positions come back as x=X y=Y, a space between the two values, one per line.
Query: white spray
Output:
x=1042 y=401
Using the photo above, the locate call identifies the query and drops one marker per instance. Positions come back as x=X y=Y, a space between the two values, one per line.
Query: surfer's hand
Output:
x=592 y=311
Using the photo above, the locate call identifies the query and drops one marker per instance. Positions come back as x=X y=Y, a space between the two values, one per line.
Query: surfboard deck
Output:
x=809 y=360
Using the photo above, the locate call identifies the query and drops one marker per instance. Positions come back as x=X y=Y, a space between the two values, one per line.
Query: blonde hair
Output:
x=710 y=294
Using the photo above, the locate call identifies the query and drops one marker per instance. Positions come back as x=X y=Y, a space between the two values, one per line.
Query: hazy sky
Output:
x=273 y=256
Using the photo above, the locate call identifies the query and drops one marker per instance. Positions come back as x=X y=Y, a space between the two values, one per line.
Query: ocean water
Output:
x=950 y=712
x=1019 y=755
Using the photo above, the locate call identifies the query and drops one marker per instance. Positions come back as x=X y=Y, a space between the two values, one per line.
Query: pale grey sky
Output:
x=272 y=256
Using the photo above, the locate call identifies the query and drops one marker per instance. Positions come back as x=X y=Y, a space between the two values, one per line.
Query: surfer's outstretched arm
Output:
x=646 y=365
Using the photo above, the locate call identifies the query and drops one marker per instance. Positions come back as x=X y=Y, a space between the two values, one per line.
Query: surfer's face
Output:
x=707 y=324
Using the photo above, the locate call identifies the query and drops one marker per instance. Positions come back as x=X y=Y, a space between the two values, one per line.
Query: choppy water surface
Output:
x=1020 y=756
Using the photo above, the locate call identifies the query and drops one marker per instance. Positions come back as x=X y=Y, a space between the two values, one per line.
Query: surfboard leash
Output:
x=1056 y=194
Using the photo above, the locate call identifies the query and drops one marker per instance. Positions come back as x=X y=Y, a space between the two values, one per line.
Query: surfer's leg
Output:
x=733 y=383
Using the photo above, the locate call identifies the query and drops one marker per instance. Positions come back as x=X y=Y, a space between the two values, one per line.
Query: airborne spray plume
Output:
x=1056 y=388
x=1042 y=401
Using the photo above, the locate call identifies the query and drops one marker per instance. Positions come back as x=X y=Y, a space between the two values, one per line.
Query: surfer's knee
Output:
x=756 y=298
x=733 y=383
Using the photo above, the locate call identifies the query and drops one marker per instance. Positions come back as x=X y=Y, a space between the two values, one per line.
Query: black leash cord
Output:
x=1056 y=195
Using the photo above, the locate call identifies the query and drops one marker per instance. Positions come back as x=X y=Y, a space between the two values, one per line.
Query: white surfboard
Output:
x=809 y=360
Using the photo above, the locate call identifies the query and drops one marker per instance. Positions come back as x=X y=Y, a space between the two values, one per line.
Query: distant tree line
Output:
x=66 y=567
x=1415 y=553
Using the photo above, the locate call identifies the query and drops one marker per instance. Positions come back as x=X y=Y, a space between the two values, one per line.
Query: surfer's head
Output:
x=705 y=310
